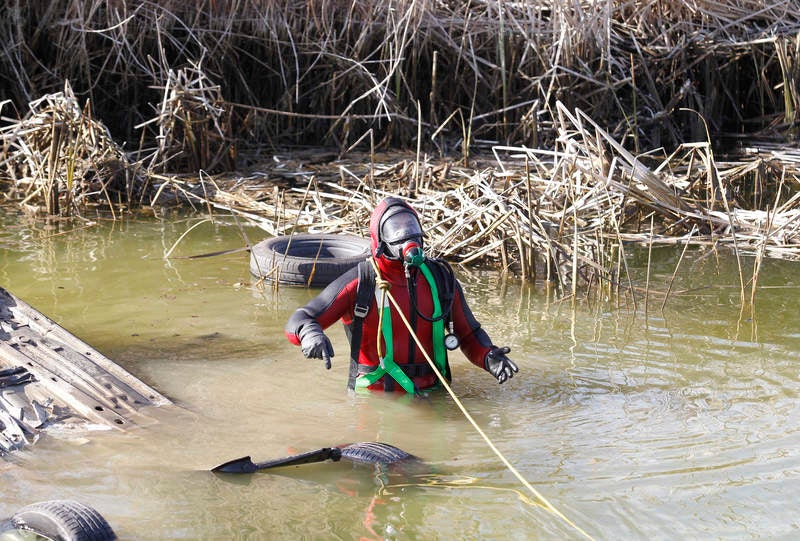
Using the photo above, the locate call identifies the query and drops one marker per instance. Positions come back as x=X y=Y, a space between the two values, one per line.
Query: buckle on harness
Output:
x=360 y=310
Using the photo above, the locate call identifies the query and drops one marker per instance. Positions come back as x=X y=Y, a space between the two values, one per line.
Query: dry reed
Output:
x=557 y=214
x=577 y=100
x=328 y=70
x=61 y=157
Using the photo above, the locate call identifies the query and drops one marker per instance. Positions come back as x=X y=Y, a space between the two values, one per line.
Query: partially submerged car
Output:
x=50 y=377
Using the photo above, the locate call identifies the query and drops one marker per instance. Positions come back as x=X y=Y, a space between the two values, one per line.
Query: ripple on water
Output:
x=683 y=406
x=682 y=424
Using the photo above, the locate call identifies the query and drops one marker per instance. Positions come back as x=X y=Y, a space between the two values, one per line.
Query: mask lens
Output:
x=400 y=227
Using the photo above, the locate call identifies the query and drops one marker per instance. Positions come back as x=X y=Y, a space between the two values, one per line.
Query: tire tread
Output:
x=68 y=519
x=300 y=266
x=374 y=452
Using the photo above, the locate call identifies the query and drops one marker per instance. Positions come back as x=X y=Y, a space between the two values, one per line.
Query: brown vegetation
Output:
x=600 y=116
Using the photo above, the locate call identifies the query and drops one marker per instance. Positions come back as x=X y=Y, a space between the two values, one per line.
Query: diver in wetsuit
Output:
x=384 y=354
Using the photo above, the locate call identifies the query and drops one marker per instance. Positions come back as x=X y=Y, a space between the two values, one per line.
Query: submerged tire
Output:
x=66 y=520
x=312 y=260
x=374 y=453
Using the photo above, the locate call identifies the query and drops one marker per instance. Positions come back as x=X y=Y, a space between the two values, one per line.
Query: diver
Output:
x=377 y=301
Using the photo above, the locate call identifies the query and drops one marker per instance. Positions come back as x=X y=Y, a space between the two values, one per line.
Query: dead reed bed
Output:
x=599 y=118
x=564 y=214
x=59 y=157
x=327 y=71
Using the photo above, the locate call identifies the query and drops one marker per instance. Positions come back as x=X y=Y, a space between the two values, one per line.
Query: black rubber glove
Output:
x=500 y=366
x=315 y=344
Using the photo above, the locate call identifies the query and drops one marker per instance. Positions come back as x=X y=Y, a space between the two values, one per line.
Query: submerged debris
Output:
x=51 y=381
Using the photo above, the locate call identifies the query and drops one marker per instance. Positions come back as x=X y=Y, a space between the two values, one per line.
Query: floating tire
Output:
x=312 y=260
x=374 y=453
x=66 y=520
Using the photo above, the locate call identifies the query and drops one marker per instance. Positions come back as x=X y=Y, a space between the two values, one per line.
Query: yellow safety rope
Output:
x=384 y=286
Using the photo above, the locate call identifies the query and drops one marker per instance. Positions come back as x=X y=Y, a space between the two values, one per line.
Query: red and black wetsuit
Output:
x=338 y=300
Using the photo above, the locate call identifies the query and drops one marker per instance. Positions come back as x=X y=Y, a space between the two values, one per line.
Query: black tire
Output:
x=63 y=520
x=374 y=453
x=306 y=259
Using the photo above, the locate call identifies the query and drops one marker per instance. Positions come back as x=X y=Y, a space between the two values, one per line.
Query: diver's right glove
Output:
x=314 y=343
x=500 y=366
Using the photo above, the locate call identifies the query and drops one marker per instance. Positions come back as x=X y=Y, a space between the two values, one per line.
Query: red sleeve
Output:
x=334 y=302
x=475 y=343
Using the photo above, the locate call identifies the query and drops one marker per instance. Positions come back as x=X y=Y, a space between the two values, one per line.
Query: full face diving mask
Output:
x=401 y=235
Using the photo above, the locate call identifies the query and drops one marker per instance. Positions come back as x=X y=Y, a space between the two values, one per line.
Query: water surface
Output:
x=633 y=421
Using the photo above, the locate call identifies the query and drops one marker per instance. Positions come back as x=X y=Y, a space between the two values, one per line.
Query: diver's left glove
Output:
x=315 y=344
x=500 y=366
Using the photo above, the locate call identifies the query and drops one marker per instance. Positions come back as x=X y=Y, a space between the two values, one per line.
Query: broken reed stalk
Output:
x=647 y=278
x=756 y=269
x=529 y=255
x=675 y=272
x=714 y=183
x=760 y=253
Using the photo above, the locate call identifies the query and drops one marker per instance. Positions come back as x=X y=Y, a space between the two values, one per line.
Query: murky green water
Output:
x=674 y=424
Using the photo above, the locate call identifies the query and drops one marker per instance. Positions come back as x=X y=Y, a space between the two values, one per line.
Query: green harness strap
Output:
x=388 y=364
x=439 y=351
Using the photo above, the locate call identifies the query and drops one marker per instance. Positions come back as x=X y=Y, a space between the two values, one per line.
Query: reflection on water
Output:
x=636 y=424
